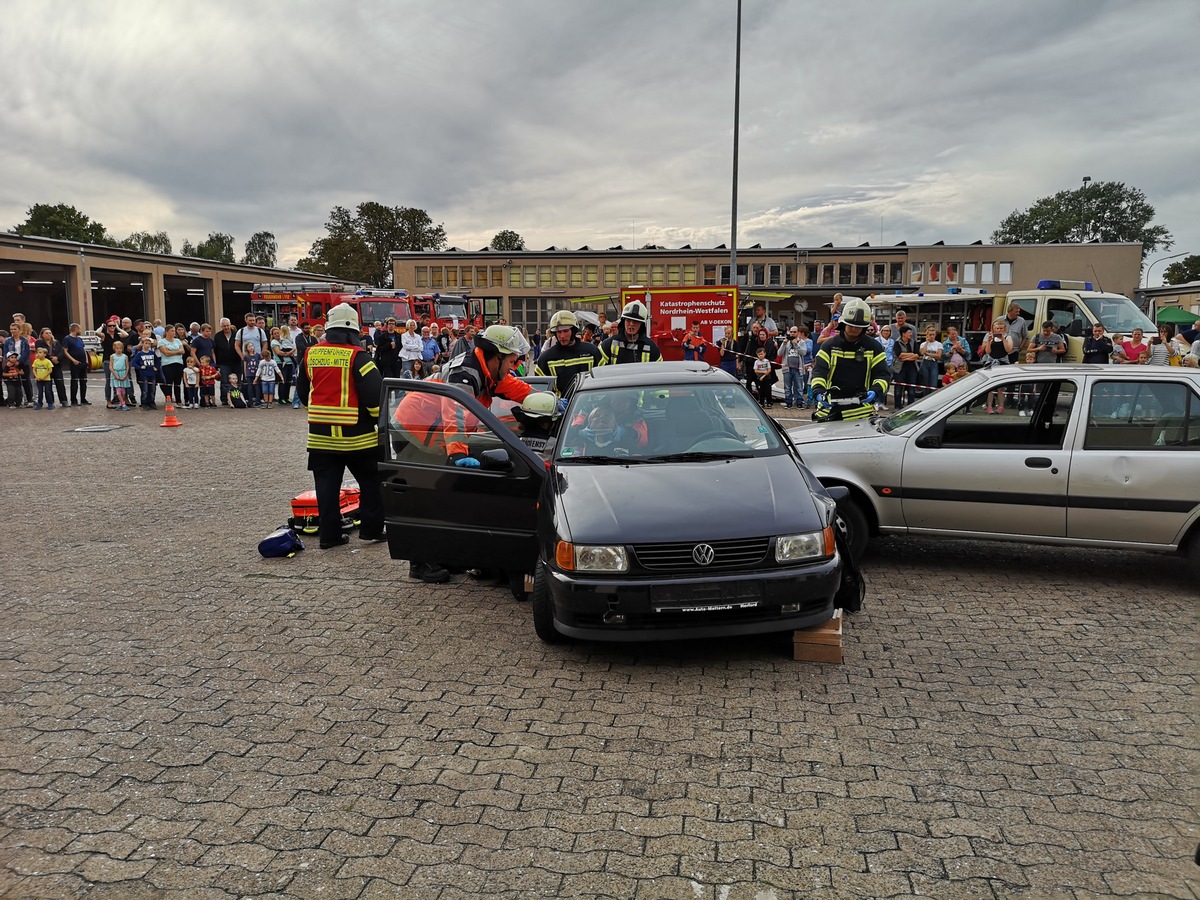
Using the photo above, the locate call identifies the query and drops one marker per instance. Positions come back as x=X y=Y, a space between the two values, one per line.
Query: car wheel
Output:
x=543 y=611
x=1193 y=552
x=853 y=522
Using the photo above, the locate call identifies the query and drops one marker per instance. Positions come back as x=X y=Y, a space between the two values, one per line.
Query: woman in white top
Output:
x=411 y=347
x=930 y=353
x=1163 y=351
x=171 y=351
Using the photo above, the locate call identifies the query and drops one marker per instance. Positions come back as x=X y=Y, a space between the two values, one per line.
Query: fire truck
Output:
x=309 y=301
x=674 y=309
x=447 y=310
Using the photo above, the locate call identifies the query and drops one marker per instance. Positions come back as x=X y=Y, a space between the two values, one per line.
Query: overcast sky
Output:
x=601 y=122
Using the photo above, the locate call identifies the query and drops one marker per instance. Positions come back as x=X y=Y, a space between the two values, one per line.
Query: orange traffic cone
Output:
x=170 y=421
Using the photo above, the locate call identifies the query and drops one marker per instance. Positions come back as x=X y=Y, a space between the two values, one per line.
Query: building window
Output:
x=658 y=275
x=844 y=273
x=421 y=276
x=451 y=276
x=689 y=274
x=790 y=273
x=626 y=276
x=969 y=273
x=725 y=278
x=1006 y=270
x=530 y=276
x=514 y=276
x=591 y=276
x=775 y=274
x=810 y=273
x=641 y=274
x=916 y=273
x=560 y=276
x=673 y=276
x=860 y=273
x=987 y=273
x=759 y=273
x=610 y=276
x=896 y=273
x=435 y=277
x=481 y=276
x=935 y=273
x=576 y=276
x=710 y=273
x=465 y=275
x=491 y=307
x=878 y=273
x=951 y=273
x=826 y=273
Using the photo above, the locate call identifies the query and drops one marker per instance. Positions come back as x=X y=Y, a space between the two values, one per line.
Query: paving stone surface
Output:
x=182 y=718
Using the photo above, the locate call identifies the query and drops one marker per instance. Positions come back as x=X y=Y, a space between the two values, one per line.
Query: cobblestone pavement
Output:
x=183 y=718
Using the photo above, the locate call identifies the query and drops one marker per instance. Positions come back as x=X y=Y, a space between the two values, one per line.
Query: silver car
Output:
x=1089 y=455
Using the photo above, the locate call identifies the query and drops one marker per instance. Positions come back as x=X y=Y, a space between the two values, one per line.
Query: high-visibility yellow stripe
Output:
x=343 y=443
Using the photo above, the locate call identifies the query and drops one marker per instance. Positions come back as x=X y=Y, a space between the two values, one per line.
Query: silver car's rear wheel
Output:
x=854 y=526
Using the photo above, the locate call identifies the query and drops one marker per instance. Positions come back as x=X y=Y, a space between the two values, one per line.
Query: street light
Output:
x=1146 y=283
x=1083 y=208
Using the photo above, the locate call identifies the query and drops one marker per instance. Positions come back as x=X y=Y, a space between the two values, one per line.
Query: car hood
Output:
x=683 y=501
x=833 y=431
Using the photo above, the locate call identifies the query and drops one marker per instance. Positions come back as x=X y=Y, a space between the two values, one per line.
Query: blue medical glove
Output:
x=871 y=397
x=821 y=404
x=467 y=462
x=562 y=405
x=618 y=433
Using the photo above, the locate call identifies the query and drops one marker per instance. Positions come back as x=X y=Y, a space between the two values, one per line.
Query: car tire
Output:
x=856 y=527
x=1193 y=552
x=543 y=610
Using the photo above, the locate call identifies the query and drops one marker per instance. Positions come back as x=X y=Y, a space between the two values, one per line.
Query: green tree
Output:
x=188 y=248
x=358 y=246
x=1108 y=211
x=261 y=250
x=64 y=223
x=1183 y=271
x=507 y=240
x=217 y=247
x=144 y=241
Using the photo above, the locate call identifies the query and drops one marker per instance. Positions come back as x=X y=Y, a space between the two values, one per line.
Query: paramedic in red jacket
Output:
x=340 y=385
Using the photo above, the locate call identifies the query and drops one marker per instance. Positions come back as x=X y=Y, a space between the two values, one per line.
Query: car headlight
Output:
x=591 y=558
x=798 y=547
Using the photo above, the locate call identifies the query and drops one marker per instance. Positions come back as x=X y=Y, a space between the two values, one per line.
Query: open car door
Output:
x=437 y=512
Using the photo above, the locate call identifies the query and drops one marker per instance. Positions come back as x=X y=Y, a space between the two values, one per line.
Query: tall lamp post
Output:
x=1146 y=283
x=737 y=99
x=1083 y=209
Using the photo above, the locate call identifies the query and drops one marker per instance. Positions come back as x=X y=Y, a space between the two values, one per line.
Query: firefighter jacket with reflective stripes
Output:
x=340 y=385
x=617 y=349
x=564 y=363
x=845 y=369
x=436 y=422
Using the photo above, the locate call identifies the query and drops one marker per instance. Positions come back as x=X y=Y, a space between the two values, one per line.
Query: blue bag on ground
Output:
x=281 y=542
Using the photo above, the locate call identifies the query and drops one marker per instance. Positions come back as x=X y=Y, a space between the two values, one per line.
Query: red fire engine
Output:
x=447 y=310
x=309 y=301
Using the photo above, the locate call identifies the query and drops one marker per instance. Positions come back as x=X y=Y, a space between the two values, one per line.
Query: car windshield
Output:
x=666 y=424
x=1119 y=315
x=450 y=309
x=379 y=310
x=906 y=418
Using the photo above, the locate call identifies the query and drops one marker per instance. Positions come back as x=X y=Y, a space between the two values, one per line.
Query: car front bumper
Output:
x=629 y=608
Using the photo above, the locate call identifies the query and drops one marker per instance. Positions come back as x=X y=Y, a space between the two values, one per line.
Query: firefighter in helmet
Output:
x=632 y=341
x=850 y=364
x=569 y=354
x=439 y=424
x=340 y=385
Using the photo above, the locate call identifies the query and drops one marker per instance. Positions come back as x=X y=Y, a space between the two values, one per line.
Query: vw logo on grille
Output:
x=703 y=554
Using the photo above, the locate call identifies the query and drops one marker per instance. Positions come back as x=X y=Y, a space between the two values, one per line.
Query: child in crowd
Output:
x=118 y=367
x=268 y=374
x=43 y=373
x=236 y=400
x=953 y=373
x=191 y=384
x=762 y=378
x=209 y=376
x=145 y=366
x=250 y=363
x=13 y=379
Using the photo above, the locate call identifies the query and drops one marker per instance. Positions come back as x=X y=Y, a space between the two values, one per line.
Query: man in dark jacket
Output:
x=226 y=358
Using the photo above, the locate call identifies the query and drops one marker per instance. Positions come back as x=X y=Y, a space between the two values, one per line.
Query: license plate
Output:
x=706 y=597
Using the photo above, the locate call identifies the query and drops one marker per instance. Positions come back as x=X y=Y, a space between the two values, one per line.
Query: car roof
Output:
x=653 y=374
x=1107 y=370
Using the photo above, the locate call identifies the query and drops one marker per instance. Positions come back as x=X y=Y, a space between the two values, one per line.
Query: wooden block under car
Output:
x=821 y=643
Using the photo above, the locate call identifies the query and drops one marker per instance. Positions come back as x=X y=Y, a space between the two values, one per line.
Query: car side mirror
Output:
x=496 y=460
x=929 y=441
